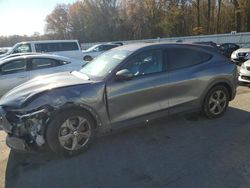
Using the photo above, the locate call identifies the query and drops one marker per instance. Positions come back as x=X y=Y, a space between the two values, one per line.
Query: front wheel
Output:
x=216 y=102
x=70 y=132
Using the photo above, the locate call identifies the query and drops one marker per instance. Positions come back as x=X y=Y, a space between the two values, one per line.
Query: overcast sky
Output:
x=24 y=17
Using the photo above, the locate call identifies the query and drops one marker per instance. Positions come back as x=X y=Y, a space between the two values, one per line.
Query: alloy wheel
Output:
x=217 y=102
x=74 y=133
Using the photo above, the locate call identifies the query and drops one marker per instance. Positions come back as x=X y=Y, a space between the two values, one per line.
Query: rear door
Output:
x=143 y=94
x=12 y=74
x=187 y=69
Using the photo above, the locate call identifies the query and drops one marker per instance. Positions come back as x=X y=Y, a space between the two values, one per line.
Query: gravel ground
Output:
x=188 y=151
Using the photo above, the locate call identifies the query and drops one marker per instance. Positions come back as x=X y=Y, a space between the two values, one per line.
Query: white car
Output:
x=241 y=55
x=17 y=70
x=245 y=72
x=67 y=48
x=96 y=50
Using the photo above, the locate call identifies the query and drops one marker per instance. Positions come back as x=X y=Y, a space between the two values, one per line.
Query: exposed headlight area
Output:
x=25 y=127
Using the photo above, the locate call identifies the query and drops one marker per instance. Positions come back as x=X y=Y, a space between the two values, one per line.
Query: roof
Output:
x=137 y=46
x=47 y=41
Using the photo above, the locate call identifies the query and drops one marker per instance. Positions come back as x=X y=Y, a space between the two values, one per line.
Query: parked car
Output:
x=94 y=51
x=17 y=70
x=240 y=56
x=4 y=50
x=228 y=48
x=209 y=43
x=245 y=72
x=67 y=48
x=118 y=43
x=19 y=54
x=126 y=85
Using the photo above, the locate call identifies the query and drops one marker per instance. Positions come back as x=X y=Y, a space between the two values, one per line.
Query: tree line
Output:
x=116 y=20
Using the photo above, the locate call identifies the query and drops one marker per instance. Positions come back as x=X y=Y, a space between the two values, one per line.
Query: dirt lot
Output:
x=4 y=153
x=177 y=152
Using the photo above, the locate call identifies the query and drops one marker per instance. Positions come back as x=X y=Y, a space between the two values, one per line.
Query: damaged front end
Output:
x=25 y=129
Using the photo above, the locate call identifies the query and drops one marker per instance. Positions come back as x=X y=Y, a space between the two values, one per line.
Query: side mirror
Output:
x=123 y=75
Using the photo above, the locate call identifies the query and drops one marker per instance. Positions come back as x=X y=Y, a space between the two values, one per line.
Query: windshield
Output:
x=105 y=63
x=92 y=48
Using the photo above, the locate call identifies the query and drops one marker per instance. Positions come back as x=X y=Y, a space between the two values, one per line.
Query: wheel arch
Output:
x=87 y=56
x=221 y=82
x=70 y=106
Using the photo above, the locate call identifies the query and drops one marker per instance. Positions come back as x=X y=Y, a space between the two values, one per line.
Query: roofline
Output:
x=36 y=55
x=46 y=41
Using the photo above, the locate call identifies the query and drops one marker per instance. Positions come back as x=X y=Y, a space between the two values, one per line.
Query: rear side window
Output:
x=41 y=63
x=108 y=47
x=182 y=57
x=68 y=46
x=145 y=63
x=56 y=47
x=14 y=66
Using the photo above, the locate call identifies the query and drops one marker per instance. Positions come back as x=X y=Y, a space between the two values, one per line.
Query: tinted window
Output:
x=232 y=46
x=183 y=57
x=41 y=63
x=54 y=47
x=68 y=46
x=147 y=62
x=14 y=66
x=99 y=48
x=23 y=48
x=224 y=46
x=108 y=47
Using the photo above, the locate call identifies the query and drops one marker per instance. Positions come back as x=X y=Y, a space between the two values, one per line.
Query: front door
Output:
x=143 y=93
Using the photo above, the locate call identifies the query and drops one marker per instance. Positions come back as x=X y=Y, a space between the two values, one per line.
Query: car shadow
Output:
x=189 y=151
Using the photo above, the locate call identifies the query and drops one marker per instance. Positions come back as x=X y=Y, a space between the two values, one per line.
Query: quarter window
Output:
x=14 y=66
x=41 y=63
x=182 y=57
x=147 y=62
x=108 y=47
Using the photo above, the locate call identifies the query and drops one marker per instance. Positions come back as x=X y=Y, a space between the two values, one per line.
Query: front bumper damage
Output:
x=25 y=130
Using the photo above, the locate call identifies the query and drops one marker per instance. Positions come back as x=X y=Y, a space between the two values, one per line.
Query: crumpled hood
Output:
x=40 y=84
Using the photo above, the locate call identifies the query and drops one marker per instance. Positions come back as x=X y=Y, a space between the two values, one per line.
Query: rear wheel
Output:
x=87 y=58
x=70 y=132
x=216 y=102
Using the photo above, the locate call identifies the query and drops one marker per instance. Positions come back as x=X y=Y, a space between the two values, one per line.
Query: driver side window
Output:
x=145 y=63
x=23 y=48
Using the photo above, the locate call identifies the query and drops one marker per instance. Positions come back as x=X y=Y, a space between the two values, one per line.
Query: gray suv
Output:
x=126 y=85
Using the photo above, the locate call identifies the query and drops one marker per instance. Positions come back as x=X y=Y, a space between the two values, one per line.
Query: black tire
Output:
x=87 y=58
x=52 y=132
x=208 y=105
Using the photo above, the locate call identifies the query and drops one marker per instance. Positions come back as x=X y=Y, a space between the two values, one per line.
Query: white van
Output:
x=67 y=48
